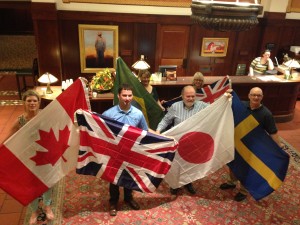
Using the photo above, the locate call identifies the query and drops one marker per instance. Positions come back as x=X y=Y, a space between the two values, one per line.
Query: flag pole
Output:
x=230 y=84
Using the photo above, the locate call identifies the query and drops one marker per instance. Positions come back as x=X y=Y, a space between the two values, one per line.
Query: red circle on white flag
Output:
x=196 y=147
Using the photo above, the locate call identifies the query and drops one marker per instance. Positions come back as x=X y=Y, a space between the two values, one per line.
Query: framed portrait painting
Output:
x=214 y=47
x=98 y=47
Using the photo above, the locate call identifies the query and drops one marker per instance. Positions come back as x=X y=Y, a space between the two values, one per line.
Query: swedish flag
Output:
x=142 y=99
x=259 y=163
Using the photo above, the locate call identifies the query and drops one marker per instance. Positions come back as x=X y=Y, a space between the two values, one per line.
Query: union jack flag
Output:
x=208 y=94
x=211 y=92
x=121 y=154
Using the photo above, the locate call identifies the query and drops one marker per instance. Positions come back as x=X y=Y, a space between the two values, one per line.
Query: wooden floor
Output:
x=12 y=212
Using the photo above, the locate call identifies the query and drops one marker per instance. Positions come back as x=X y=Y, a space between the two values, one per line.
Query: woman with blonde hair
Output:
x=41 y=210
x=198 y=81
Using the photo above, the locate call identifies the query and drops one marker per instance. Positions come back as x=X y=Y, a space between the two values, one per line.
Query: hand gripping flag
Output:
x=259 y=163
x=208 y=94
x=142 y=99
x=44 y=150
x=121 y=154
x=205 y=143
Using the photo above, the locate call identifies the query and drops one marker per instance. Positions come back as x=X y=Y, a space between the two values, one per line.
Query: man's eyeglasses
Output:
x=255 y=95
x=198 y=80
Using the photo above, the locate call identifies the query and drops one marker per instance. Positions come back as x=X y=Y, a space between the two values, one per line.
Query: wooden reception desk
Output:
x=280 y=95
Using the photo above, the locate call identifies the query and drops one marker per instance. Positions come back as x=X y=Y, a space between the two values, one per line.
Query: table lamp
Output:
x=48 y=79
x=292 y=64
x=141 y=64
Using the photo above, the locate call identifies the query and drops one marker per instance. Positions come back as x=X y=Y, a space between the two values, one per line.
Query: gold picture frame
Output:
x=214 y=47
x=172 y=3
x=98 y=47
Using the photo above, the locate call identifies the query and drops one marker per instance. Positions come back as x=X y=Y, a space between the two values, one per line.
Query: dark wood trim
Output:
x=274 y=15
x=124 y=17
x=43 y=11
x=14 y=5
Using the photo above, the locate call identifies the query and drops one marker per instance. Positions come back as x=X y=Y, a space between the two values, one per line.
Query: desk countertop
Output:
x=57 y=91
x=182 y=81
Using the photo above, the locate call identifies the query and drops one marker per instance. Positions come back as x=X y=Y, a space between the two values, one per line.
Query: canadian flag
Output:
x=45 y=149
x=206 y=143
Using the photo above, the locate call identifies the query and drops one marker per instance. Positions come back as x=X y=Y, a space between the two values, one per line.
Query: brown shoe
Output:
x=113 y=210
x=133 y=204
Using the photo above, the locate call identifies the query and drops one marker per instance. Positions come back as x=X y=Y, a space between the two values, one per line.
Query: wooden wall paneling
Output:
x=221 y=66
x=47 y=35
x=143 y=34
x=194 y=50
x=209 y=66
x=281 y=32
x=173 y=46
x=70 y=51
x=197 y=62
x=285 y=42
x=145 y=43
x=271 y=32
x=224 y=65
x=15 y=18
x=296 y=40
x=126 y=42
x=245 y=48
x=49 y=49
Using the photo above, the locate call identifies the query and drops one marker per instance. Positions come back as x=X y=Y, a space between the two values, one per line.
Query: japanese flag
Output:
x=45 y=149
x=206 y=143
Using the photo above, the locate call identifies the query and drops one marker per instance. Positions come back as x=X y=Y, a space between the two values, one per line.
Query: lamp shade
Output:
x=47 y=78
x=141 y=64
x=292 y=64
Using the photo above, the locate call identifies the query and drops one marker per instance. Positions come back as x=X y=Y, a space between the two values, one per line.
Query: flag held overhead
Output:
x=142 y=99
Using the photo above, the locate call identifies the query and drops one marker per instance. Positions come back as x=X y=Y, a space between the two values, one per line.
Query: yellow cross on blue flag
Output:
x=259 y=163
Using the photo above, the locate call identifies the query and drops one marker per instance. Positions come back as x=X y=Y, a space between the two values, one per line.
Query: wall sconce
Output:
x=48 y=79
x=226 y=15
x=141 y=64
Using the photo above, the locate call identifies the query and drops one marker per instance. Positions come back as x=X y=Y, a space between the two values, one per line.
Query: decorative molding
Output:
x=225 y=17
x=172 y=3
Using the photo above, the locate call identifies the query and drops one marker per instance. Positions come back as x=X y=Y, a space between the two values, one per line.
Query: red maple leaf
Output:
x=56 y=148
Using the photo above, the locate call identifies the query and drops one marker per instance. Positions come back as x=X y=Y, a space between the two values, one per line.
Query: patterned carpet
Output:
x=9 y=98
x=84 y=200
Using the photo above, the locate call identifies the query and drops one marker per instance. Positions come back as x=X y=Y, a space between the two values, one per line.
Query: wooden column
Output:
x=46 y=30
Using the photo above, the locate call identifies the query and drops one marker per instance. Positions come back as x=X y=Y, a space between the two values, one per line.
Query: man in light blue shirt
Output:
x=180 y=111
x=126 y=113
